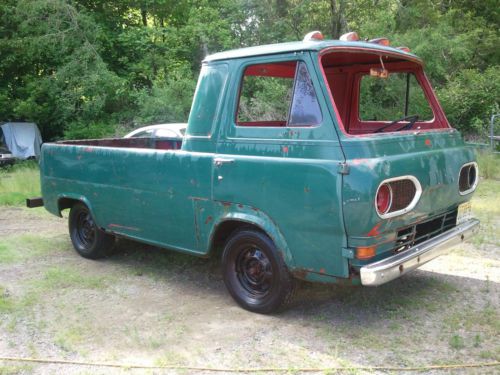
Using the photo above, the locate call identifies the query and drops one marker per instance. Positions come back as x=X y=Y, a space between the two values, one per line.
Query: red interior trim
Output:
x=346 y=98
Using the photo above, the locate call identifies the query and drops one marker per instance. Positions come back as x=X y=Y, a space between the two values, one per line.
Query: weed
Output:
x=457 y=342
x=477 y=341
x=67 y=339
x=6 y=303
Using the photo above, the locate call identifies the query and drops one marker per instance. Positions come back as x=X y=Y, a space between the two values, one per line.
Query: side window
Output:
x=278 y=95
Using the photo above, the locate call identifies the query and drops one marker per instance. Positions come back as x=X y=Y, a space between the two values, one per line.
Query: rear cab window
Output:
x=377 y=93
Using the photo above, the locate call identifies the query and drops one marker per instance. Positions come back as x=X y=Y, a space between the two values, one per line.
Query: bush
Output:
x=93 y=130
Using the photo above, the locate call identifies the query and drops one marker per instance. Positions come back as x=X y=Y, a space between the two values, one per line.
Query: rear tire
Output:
x=88 y=240
x=255 y=274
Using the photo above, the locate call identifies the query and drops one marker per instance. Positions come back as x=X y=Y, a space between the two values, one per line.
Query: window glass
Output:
x=165 y=133
x=384 y=99
x=305 y=107
x=265 y=94
x=144 y=133
x=278 y=94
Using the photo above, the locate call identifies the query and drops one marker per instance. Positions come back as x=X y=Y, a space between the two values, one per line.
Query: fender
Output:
x=227 y=211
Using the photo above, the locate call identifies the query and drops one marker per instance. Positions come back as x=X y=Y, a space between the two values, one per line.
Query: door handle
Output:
x=219 y=161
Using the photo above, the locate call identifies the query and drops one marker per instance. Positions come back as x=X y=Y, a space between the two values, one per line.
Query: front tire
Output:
x=255 y=273
x=88 y=240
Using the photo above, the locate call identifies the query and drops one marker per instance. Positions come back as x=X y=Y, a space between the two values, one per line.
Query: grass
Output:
x=18 y=248
x=486 y=207
x=489 y=165
x=19 y=182
x=68 y=277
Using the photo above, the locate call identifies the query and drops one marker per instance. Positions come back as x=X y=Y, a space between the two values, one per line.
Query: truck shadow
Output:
x=402 y=298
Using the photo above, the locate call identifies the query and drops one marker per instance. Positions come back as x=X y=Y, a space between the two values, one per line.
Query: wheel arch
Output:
x=65 y=201
x=227 y=225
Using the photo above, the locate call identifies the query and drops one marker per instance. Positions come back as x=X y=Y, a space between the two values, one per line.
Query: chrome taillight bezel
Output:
x=411 y=206
x=476 y=181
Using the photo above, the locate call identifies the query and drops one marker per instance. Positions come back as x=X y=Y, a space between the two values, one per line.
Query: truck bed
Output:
x=157 y=143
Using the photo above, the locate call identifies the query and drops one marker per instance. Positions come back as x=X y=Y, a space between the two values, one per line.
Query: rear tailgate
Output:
x=434 y=158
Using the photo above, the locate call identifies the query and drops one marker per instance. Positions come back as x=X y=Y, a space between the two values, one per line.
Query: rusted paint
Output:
x=240 y=205
x=428 y=142
x=112 y=225
x=300 y=273
x=208 y=219
x=306 y=189
x=374 y=231
x=226 y=204
x=321 y=270
x=285 y=149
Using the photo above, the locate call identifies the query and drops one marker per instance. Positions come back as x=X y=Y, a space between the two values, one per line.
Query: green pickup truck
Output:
x=323 y=160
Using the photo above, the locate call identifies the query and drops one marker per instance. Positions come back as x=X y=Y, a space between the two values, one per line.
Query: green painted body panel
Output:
x=286 y=181
x=434 y=158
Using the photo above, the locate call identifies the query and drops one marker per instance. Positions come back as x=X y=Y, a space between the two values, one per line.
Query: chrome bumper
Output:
x=397 y=265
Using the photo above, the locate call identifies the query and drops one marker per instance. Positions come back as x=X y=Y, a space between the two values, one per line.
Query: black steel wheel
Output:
x=255 y=274
x=88 y=240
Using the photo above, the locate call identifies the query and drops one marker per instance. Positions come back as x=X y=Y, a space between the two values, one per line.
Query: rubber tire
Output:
x=283 y=284
x=102 y=244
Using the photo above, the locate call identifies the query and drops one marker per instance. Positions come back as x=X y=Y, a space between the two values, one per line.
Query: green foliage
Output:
x=168 y=101
x=71 y=64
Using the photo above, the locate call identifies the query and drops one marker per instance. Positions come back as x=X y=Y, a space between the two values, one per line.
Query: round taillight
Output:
x=383 y=199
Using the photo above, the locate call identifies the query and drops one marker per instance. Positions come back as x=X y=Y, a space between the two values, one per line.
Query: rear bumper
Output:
x=397 y=265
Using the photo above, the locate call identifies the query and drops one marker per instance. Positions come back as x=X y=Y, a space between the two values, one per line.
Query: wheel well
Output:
x=65 y=203
x=224 y=231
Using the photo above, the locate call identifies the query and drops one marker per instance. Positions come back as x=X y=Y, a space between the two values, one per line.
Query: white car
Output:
x=160 y=130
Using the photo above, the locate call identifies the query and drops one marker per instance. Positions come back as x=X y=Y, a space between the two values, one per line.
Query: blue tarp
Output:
x=23 y=139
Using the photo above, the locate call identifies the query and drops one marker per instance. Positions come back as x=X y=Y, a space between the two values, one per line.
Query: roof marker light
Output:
x=404 y=49
x=313 y=36
x=381 y=41
x=350 y=37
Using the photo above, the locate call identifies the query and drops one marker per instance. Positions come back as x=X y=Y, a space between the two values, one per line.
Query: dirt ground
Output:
x=150 y=306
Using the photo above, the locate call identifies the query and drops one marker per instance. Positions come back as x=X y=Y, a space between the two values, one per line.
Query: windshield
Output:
x=397 y=96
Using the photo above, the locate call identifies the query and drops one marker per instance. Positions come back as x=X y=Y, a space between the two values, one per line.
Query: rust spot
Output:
x=300 y=273
x=306 y=190
x=208 y=220
x=285 y=149
x=88 y=149
x=124 y=227
x=240 y=206
x=226 y=204
x=255 y=209
x=428 y=142
x=321 y=270
x=374 y=231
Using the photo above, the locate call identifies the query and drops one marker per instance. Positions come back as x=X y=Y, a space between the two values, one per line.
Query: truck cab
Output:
x=324 y=160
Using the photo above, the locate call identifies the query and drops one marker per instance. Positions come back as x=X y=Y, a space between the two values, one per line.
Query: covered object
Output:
x=23 y=139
